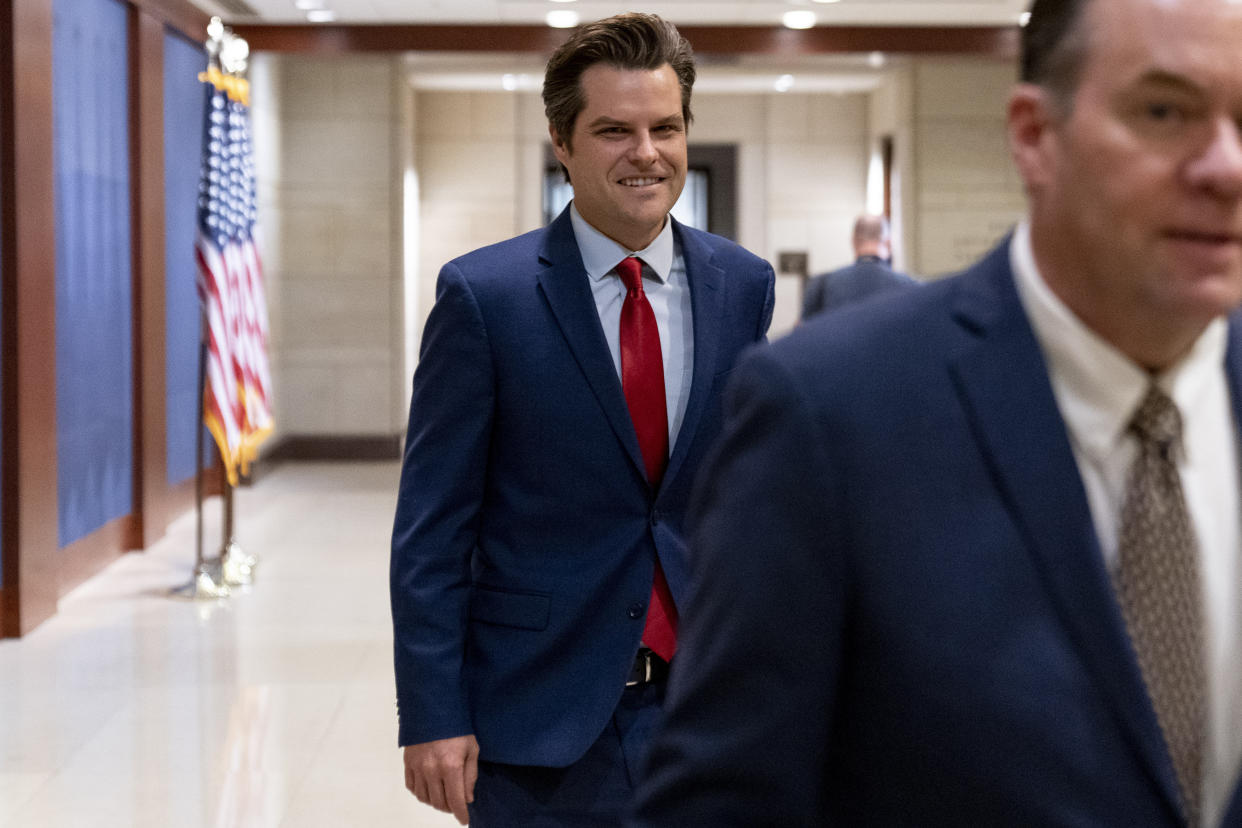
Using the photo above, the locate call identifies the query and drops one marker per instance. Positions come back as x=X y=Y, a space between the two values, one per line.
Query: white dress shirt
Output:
x=668 y=291
x=1097 y=390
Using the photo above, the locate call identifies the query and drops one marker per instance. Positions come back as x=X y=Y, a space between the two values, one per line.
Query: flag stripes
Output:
x=237 y=395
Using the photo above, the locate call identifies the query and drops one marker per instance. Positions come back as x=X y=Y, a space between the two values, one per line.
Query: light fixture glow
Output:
x=784 y=83
x=509 y=82
x=321 y=16
x=1024 y=18
x=799 y=19
x=875 y=60
x=562 y=18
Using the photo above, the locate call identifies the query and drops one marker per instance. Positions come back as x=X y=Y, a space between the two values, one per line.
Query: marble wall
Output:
x=327 y=140
x=367 y=186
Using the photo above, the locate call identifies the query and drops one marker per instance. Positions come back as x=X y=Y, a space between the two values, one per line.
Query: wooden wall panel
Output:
x=179 y=14
x=147 y=166
x=31 y=583
x=998 y=41
x=8 y=463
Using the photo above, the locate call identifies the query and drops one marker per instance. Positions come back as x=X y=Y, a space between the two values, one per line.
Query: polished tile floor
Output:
x=274 y=707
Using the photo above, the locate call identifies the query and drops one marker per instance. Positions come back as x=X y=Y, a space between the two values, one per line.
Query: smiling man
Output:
x=972 y=556
x=568 y=384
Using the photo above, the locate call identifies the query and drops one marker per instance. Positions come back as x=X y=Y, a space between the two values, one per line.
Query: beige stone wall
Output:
x=368 y=186
x=328 y=180
x=801 y=174
x=967 y=193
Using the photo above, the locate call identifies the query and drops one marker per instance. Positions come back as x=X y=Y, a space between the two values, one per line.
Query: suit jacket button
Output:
x=636 y=610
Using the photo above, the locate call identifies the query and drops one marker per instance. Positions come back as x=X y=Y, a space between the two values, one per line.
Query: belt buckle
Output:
x=645 y=655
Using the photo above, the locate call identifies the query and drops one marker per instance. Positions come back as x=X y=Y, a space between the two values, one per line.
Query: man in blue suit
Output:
x=558 y=418
x=869 y=275
x=952 y=563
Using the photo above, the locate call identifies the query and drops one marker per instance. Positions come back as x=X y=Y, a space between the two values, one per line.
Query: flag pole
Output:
x=207 y=583
x=234 y=368
x=237 y=567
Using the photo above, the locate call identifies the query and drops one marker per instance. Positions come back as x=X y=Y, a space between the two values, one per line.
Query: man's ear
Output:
x=1031 y=125
x=558 y=146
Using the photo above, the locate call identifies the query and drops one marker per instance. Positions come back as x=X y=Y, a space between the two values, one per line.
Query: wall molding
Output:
x=994 y=41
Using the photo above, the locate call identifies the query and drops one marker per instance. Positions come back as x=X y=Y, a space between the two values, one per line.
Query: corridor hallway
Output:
x=274 y=707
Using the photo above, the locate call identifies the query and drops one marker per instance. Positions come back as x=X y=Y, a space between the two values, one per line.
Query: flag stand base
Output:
x=207 y=584
x=238 y=567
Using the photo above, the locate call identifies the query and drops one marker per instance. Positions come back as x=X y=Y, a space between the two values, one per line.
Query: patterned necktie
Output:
x=1157 y=585
x=642 y=380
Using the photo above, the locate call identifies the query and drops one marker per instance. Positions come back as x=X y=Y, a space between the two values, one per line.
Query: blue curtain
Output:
x=184 y=102
x=94 y=308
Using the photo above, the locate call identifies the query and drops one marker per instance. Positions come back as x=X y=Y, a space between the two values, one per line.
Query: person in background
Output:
x=971 y=555
x=870 y=274
x=568 y=385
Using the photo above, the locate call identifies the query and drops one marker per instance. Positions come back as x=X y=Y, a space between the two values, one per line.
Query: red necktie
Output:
x=642 y=380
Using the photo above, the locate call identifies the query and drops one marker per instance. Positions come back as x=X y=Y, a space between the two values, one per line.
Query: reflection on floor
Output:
x=271 y=708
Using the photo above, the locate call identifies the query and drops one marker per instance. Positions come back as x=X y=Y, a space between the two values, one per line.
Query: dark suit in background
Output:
x=868 y=276
x=526 y=532
x=568 y=385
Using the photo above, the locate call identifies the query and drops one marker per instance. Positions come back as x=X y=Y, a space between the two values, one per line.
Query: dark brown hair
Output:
x=626 y=41
x=1054 y=45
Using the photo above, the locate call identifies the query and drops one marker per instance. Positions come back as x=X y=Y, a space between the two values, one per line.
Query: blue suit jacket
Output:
x=864 y=278
x=899 y=613
x=526 y=533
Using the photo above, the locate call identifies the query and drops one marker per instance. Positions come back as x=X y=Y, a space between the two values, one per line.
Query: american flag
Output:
x=236 y=401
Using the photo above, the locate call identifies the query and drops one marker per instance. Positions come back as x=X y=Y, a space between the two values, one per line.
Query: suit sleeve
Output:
x=749 y=706
x=438 y=511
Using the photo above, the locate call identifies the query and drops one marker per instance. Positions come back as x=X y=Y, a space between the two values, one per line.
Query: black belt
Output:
x=648 y=668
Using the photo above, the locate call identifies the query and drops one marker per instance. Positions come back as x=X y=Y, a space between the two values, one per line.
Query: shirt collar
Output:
x=601 y=254
x=1101 y=386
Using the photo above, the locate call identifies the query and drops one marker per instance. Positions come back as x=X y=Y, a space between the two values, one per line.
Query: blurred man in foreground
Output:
x=971 y=557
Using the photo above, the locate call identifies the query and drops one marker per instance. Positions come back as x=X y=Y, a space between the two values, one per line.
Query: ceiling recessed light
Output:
x=321 y=16
x=1024 y=18
x=509 y=82
x=562 y=19
x=799 y=19
x=875 y=60
x=784 y=83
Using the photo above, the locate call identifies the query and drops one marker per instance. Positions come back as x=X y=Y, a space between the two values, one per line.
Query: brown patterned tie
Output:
x=1157 y=583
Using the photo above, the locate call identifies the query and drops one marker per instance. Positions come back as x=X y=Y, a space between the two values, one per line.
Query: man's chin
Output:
x=1207 y=296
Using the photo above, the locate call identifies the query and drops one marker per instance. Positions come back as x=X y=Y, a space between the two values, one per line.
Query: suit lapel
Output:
x=705 y=304
x=1003 y=382
x=565 y=286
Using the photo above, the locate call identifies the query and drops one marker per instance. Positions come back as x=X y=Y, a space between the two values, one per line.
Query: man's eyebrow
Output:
x=606 y=120
x=1168 y=79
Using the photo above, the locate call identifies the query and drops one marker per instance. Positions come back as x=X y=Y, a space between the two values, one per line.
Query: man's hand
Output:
x=442 y=773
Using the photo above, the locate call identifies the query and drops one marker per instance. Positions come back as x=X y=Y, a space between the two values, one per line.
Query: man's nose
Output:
x=1219 y=167
x=643 y=151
